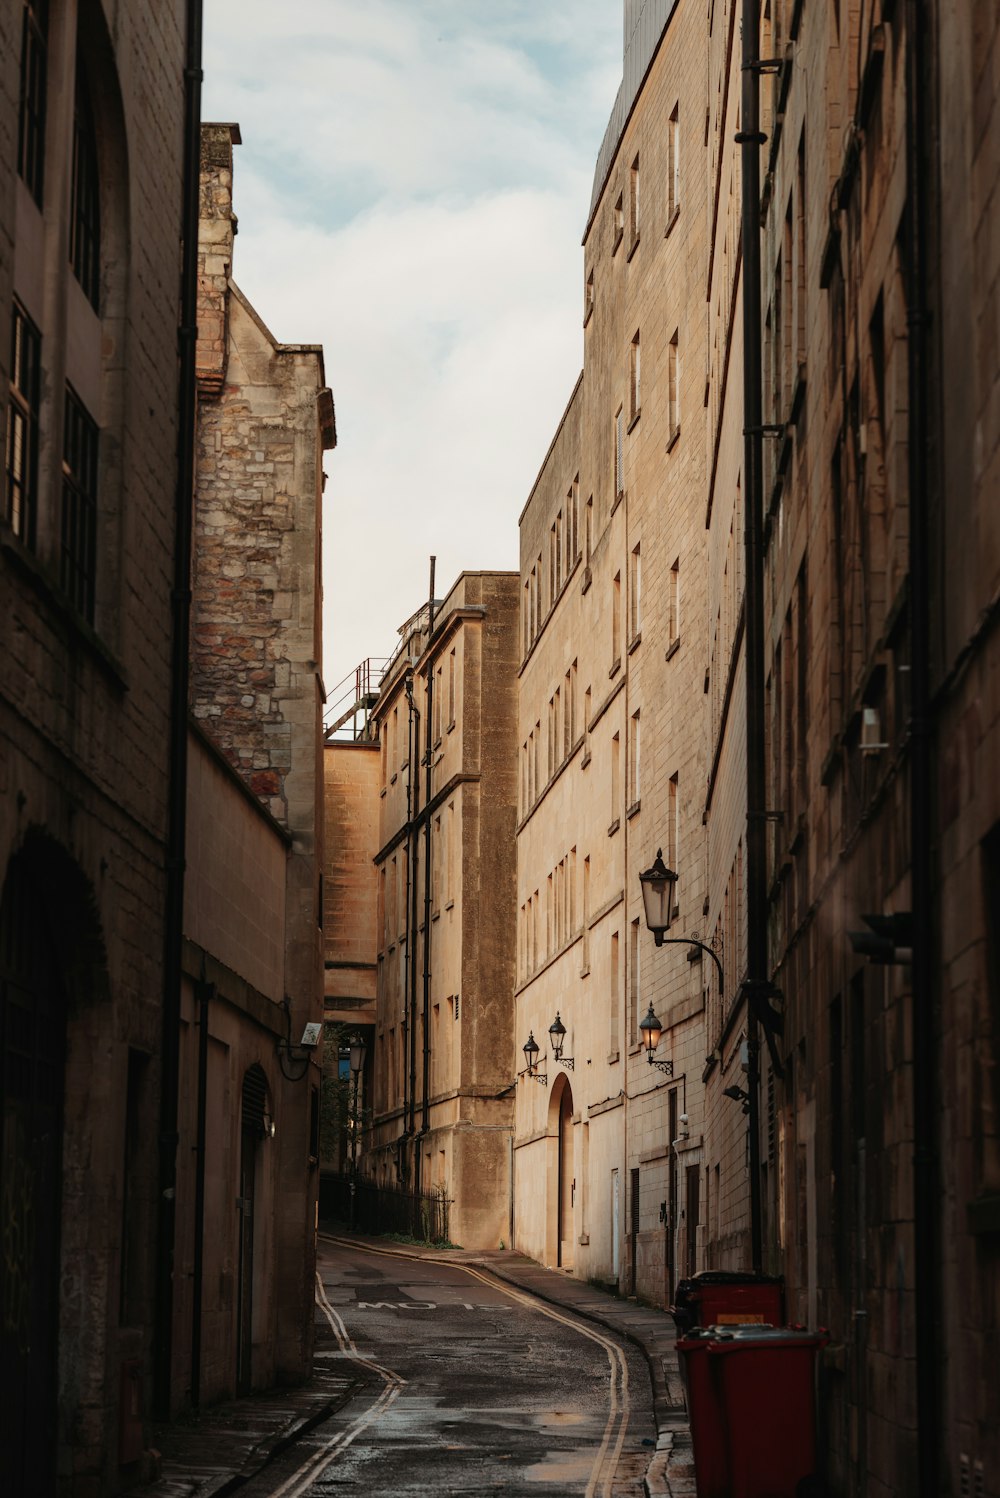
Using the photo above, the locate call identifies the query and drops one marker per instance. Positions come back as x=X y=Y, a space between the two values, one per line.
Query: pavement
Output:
x=214 y=1452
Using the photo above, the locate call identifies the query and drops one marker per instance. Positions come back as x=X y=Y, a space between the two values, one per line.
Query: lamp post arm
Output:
x=692 y=941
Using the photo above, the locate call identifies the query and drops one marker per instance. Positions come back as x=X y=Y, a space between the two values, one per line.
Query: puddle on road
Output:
x=568 y=1469
x=560 y=1417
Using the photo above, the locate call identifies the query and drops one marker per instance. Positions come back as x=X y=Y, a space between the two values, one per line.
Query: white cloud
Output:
x=412 y=189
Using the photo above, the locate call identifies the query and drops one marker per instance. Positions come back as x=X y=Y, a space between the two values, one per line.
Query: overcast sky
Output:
x=412 y=189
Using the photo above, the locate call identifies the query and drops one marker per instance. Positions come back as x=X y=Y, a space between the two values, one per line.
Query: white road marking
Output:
x=605 y=1463
x=302 y=1479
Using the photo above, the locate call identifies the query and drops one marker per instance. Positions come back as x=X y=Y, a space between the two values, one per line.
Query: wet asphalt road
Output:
x=468 y=1386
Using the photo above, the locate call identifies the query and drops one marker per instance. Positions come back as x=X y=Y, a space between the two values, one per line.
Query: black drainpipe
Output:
x=919 y=151
x=429 y=733
x=204 y=992
x=187 y=335
x=750 y=141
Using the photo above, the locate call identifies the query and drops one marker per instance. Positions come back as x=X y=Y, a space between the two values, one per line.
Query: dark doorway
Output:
x=32 y=1056
x=251 y=1134
x=567 y=1184
x=693 y=1179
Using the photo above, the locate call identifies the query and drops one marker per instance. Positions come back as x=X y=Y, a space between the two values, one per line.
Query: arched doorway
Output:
x=32 y=1058
x=254 y=1107
x=561 y=1125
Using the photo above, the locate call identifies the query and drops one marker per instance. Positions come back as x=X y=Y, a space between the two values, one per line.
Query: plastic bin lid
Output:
x=730 y=1277
x=737 y=1338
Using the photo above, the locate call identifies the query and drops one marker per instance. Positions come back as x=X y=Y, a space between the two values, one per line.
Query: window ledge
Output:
x=617 y=500
x=585 y=761
x=632 y=249
x=449 y=905
x=383 y=791
x=451 y=725
x=633 y=809
x=674 y=438
x=613 y=1056
x=635 y=642
x=673 y=648
x=672 y=220
x=635 y=420
x=588 y=578
x=614 y=826
x=588 y=314
x=585 y=971
x=615 y=668
x=619 y=236
x=392 y=780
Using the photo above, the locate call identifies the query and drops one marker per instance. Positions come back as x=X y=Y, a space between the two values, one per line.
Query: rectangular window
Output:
x=588 y=530
x=635 y=592
x=617 y=224
x=673 y=166
x=31 y=116
x=635 y=378
x=616 y=623
x=451 y=690
x=79 y=506
x=615 y=996
x=586 y=913
x=633 y=762
x=673 y=823
x=85 y=205
x=616 y=782
x=633 y=206
x=673 y=391
x=674 y=605
x=586 y=726
x=21 y=462
x=619 y=475
x=634 y=987
x=588 y=298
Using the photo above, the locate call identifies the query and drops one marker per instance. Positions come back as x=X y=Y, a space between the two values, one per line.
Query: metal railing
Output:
x=385 y=1209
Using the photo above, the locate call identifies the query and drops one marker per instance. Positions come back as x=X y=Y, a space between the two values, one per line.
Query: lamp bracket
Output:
x=533 y=1075
x=693 y=941
x=568 y=1061
x=667 y=1067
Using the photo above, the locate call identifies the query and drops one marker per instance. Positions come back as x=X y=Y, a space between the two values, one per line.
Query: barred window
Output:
x=85 y=212
x=21 y=458
x=79 y=506
x=31 y=114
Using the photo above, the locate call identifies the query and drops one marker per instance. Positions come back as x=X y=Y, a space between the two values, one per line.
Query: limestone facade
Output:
x=352 y=780
x=253 y=948
x=881 y=505
x=88 y=349
x=612 y=709
x=445 y=723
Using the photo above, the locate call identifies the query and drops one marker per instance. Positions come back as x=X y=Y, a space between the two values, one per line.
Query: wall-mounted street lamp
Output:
x=657 y=884
x=557 y=1034
x=530 y=1049
x=651 y=1030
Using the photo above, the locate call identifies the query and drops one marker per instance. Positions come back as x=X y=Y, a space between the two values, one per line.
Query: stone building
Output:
x=352 y=781
x=92 y=112
x=442 y=1070
x=249 y=1104
x=882 y=561
x=612 y=709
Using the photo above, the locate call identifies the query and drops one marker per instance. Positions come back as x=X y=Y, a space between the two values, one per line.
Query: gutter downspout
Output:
x=756 y=986
x=204 y=992
x=187 y=335
x=925 y=1171
x=425 y=1120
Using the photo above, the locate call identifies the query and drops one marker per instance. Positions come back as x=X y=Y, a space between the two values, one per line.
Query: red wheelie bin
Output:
x=763 y=1397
